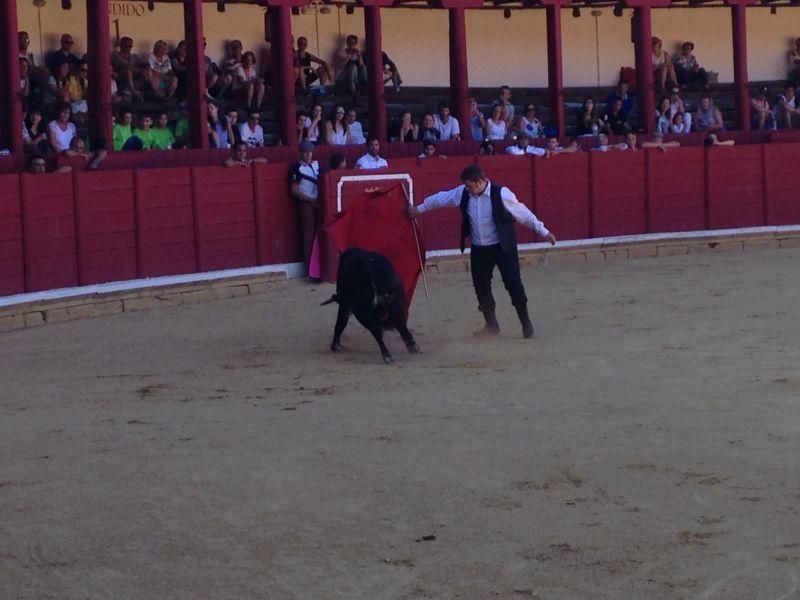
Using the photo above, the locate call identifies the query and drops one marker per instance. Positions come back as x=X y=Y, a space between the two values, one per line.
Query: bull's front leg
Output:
x=408 y=338
x=341 y=322
x=377 y=332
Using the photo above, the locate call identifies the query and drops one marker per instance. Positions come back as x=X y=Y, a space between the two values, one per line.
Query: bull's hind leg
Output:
x=408 y=338
x=341 y=322
x=377 y=332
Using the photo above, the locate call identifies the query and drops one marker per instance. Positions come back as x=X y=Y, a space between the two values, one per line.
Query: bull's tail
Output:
x=331 y=300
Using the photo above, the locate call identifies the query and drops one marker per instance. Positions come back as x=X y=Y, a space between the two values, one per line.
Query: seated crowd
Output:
x=56 y=110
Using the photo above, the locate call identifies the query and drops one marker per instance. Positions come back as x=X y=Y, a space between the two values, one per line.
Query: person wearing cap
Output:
x=304 y=187
x=489 y=211
x=762 y=113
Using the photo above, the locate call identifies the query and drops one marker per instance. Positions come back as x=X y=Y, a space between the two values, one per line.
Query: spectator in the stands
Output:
x=761 y=111
x=352 y=70
x=354 y=127
x=391 y=74
x=36 y=132
x=372 y=159
x=233 y=126
x=616 y=120
x=308 y=74
x=145 y=132
x=61 y=129
x=23 y=42
x=657 y=141
x=794 y=62
x=429 y=150
x=621 y=92
x=162 y=134
x=246 y=80
x=160 y=76
x=181 y=133
x=523 y=146
x=529 y=122
x=301 y=122
x=130 y=72
x=37 y=165
x=678 y=105
x=338 y=161
x=336 y=131
x=587 y=123
x=64 y=54
x=679 y=125
x=58 y=83
x=406 y=130
x=602 y=144
x=77 y=149
x=251 y=132
x=631 y=142
x=24 y=78
x=217 y=128
x=787 y=113
x=212 y=74
x=123 y=133
x=315 y=125
x=428 y=131
x=446 y=124
x=553 y=147
x=486 y=148
x=504 y=102
x=234 y=57
x=663 y=115
x=713 y=140
x=708 y=117
x=78 y=89
x=495 y=127
x=687 y=70
x=663 y=70
x=475 y=121
x=238 y=157
x=180 y=67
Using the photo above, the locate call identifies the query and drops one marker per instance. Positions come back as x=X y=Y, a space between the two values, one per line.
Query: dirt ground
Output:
x=644 y=445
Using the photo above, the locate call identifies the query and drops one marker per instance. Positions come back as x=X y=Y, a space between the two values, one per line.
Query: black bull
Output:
x=368 y=286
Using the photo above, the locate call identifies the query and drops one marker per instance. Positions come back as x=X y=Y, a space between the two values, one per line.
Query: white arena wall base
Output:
x=52 y=306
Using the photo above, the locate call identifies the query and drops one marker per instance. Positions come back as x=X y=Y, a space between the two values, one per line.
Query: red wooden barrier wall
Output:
x=735 y=187
x=676 y=190
x=224 y=217
x=617 y=193
x=106 y=226
x=48 y=228
x=561 y=194
x=165 y=222
x=60 y=230
x=12 y=259
x=780 y=183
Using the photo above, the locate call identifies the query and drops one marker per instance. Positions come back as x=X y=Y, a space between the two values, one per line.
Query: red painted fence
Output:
x=80 y=228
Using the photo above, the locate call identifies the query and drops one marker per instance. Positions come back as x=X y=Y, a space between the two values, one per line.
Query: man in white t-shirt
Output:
x=372 y=159
x=251 y=132
x=446 y=124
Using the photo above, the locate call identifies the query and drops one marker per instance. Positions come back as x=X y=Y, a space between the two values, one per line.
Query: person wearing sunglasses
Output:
x=56 y=58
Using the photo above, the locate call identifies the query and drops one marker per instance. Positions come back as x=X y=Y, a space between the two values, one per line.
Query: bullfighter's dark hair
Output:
x=472 y=173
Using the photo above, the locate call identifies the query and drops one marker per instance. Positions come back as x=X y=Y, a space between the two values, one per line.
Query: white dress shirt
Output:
x=479 y=210
x=371 y=162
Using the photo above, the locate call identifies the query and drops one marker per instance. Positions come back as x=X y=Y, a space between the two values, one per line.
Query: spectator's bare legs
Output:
x=260 y=88
x=324 y=75
x=173 y=85
x=394 y=77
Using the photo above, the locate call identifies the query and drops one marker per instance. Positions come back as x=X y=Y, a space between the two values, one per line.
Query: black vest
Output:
x=503 y=220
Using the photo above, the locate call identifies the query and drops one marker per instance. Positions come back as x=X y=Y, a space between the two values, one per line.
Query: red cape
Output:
x=378 y=222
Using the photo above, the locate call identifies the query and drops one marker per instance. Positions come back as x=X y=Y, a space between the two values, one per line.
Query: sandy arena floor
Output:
x=644 y=446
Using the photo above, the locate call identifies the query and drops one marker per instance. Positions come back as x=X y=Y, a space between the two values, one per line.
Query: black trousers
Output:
x=482 y=261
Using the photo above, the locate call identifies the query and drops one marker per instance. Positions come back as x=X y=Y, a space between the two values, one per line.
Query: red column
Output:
x=740 y=82
x=459 y=71
x=280 y=24
x=374 y=59
x=555 y=75
x=196 y=80
x=98 y=47
x=645 y=99
x=10 y=98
